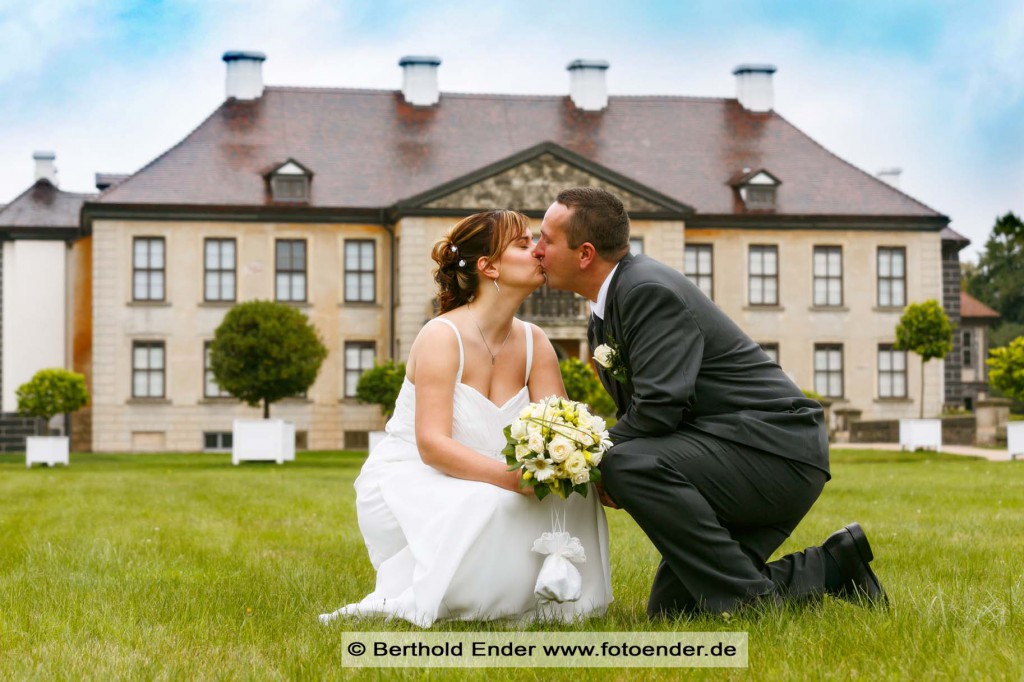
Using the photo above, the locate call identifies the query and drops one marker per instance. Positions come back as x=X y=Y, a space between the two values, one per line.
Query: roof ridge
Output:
x=488 y=95
x=856 y=167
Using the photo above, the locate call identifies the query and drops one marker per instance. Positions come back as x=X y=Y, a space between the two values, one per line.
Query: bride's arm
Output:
x=545 y=377
x=437 y=354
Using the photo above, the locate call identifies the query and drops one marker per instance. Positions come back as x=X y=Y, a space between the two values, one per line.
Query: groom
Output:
x=718 y=455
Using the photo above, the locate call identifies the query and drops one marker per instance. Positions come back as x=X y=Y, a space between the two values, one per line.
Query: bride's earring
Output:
x=496 y=287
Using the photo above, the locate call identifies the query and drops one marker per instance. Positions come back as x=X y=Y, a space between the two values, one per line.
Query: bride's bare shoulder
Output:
x=435 y=341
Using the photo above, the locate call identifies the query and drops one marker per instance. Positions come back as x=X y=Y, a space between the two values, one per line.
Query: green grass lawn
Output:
x=185 y=567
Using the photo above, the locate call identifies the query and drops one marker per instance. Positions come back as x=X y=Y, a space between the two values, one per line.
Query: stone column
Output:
x=991 y=414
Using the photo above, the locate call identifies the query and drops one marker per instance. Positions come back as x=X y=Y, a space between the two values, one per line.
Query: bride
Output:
x=446 y=525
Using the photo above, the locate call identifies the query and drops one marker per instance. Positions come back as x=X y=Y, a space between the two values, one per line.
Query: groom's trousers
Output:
x=716 y=510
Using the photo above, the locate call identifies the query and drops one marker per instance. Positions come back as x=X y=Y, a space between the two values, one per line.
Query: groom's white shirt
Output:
x=597 y=307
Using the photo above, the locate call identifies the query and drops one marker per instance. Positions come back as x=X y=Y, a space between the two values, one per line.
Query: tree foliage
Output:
x=925 y=329
x=264 y=351
x=381 y=385
x=582 y=385
x=998 y=279
x=51 y=392
x=1006 y=369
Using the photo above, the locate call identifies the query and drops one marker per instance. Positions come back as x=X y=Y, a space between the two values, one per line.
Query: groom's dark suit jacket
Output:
x=691 y=367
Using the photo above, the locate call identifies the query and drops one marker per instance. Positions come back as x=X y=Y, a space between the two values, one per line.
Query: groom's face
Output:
x=560 y=263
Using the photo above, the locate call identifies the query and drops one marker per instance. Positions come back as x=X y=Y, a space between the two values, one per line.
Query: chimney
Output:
x=244 y=74
x=45 y=168
x=587 y=85
x=890 y=175
x=754 y=86
x=419 y=80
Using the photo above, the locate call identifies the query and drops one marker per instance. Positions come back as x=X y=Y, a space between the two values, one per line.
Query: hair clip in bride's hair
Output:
x=462 y=263
x=455 y=249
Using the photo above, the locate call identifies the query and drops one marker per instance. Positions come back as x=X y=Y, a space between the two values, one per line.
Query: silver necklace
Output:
x=494 y=356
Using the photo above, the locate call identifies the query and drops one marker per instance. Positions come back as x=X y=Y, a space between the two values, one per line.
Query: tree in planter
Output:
x=925 y=330
x=265 y=351
x=381 y=385
x=1006 y=369
x=582 y=385
x=51 y=392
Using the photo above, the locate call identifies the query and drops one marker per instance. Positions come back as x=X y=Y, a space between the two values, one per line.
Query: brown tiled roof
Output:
x=43 y=206
x=972 y=307
x=369 y=149
x=951 y=235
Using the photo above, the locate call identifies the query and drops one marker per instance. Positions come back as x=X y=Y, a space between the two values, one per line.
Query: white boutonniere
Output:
x=608 y=356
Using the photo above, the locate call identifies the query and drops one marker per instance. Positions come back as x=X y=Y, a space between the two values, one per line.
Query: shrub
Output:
x=381 y=385
x=51 y=392
x=582 y=385
x=264 y=351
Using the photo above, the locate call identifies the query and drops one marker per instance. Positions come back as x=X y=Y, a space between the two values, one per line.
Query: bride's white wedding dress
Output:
x=445 y=547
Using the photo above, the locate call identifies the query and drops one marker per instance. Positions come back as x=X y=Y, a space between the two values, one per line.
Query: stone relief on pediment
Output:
x=533 y=185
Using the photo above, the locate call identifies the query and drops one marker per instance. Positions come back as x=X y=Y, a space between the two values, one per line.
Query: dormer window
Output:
x=758 y=189
x=290 y=182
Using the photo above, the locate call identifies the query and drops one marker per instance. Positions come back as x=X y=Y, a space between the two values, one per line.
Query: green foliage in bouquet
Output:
x=582 y=385
x=1006 y=369
x=559 y=444
x=51 y=392
x=381 y=385
x=264 y=351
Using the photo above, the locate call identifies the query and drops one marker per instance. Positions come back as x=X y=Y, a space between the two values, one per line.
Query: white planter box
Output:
x=1015 y=439
x=47 y=450
x=266 y=440
x=920 y=434
x=375 y=438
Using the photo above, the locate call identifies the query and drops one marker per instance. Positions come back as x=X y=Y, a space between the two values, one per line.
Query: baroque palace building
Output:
x=330 y=200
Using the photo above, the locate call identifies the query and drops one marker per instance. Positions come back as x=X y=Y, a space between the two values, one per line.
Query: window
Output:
x=892 y=279
x=828 y=276
x=828 y=370
x=148 y=269
x=772 y=351
x=892 y=372
x=290 y=188
x=210 y=387
x=697 y=266
x=760 y=197
x=219 y=264
x=148 y=369
x=968 y=350
x=636 y=245
x=360 y=271
x=291 y=269
x=359 y=357
x=763 y=286
x=217 y=441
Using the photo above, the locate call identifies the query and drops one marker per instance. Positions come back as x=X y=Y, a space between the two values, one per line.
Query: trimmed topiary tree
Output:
x=582 y=385
x=925 y=330
x=381 y=385
x=1006 y=369
x=51 y=392
x=264 y=351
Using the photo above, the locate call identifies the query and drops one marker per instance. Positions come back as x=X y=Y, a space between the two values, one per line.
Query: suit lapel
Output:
x=610 y=326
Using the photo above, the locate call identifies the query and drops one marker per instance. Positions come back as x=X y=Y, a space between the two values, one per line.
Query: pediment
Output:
x=530 y=181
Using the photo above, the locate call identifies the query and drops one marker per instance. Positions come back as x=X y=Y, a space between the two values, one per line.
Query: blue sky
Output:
x=936 y=88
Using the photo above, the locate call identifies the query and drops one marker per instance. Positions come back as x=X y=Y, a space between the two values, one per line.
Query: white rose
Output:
x=518 y=429
x=584 y=420
x=527 y=412
x=581 y=477
x=560 y=448
x=575 y=463
x=532 y=429
x=521 y=452
x=536 y=443
x=603 y=355
x=537 y=411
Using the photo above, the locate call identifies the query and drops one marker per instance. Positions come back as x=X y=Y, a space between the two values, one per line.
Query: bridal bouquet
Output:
x=559 y=443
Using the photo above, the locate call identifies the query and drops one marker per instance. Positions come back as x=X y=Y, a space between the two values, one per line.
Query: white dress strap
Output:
x=529 y=350
x=462 y=353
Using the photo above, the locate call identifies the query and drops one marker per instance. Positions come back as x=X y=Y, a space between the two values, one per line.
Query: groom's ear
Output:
x=587 y=254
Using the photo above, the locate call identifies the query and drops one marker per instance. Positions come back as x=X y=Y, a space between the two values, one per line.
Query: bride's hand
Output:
x=514 y=478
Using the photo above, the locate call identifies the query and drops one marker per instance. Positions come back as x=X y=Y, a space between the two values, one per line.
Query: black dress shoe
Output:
x=850 y=549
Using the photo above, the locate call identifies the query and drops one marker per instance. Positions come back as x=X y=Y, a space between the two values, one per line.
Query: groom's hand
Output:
x=605 y=498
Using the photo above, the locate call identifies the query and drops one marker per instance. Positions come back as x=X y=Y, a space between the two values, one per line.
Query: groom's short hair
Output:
x=597 y=217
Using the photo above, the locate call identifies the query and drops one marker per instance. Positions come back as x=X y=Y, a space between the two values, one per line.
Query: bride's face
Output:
x=518 y=267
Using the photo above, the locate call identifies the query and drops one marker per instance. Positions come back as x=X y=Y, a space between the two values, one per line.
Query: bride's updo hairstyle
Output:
x=484 y=235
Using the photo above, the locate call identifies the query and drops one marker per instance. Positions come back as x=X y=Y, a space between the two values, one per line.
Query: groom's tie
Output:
x=595 y=332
